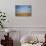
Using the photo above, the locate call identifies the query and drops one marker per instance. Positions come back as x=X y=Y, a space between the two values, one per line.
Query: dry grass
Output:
x=24 y=14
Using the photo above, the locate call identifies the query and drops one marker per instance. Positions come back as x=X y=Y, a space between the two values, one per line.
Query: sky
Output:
x=23 y=8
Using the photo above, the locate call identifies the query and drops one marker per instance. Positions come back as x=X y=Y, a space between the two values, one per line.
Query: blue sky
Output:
x=23 y=8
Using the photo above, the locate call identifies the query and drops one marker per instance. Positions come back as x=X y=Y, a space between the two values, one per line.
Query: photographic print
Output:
x=23 y=10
